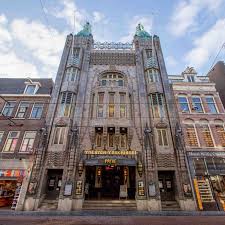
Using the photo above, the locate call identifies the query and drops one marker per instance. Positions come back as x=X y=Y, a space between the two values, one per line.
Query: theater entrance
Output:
x=108 y=182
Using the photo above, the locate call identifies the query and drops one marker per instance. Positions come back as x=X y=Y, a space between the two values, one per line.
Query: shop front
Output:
x=208 y=174
x=14 y=177
x=10 y=186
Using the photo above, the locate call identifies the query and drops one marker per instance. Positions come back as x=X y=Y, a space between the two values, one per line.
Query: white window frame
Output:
x=20 y=151
x=214 y=102
x=36 y=118
x=62 y=129
x=63 y=106
x=5 y=107
x=196 y=132
x=163 y=144
x=214 y=145
x=155 y=75
x=18 y=136
x=161 y=108
x=25 y=114
x=193 y=104
x=183 y=96
x=35 y=89
x=70 y=72
x=219 y=124
x=1 y=136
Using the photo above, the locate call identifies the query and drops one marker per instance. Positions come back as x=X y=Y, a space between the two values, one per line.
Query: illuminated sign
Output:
x=110 y=161
x=106 y=152
x=11 y=173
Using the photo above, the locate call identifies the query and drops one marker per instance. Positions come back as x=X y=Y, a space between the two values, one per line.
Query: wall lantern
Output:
x=140 y=168
x=80 y=168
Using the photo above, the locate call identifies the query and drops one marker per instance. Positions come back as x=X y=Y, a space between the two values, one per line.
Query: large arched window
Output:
x=192 y=138
x=220 y=129
x=206 y=133
x=112 y=79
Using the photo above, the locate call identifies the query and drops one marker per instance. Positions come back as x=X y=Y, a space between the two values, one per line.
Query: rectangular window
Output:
x=157 y=105
x=98 y=136
x=37 y=111
x=8 y=108
x=111 y=134
x=191 y=78
x=71 y=74
x=183 y=102
x=30 y=89
x=122 y=105
x=123 y=137
x=10 y=144
x=211 y=104
x=152 y=75
x=76 y=52
x=197 y=105
x=1 y=136
x=221 y=134
x=111 y=105
x=207 y=137
x=149 y=53
x=28 y=141
x=191 y=136
x=100 y=104
x=59 y=135
x=66 y=104
x=22 y=110
x=162 y=137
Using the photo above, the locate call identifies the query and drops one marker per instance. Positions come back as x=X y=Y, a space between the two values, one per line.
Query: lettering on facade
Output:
x=110 y=161
x=101 y=152
x=204 y=154
x=112 y=45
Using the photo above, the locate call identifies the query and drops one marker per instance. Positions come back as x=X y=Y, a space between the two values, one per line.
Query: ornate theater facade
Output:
x=112 y=138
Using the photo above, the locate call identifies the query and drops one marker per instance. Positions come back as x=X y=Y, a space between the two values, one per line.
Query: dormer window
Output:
x=30 y=89
x=191 y=78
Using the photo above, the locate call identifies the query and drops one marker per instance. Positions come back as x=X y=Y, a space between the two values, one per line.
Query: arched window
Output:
x=206 y=133
x=219 y=124
x=112 y=79
x=192 y=137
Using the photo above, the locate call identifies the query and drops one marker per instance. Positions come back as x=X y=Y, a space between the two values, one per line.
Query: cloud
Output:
x=45 y=44
x=146 y=21
x=67 y=10
x=185 y=15
x=171 y=61
x=98 y=17
x=206 y=45
x=10 y=63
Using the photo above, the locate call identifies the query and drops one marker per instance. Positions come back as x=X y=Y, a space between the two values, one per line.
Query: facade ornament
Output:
x=140 y=32
x=86 y=31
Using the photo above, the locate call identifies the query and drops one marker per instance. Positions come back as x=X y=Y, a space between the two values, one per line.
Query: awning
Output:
x=106 y=160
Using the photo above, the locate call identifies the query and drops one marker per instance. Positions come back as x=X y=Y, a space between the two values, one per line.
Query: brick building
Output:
x=202 y=121
x=111 y=130
x=217 y=75
x=23 y=108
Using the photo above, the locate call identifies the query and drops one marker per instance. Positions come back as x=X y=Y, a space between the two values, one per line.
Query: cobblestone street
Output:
x=114 y=220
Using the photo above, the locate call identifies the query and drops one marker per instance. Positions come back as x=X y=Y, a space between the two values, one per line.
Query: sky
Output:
x=33 y=32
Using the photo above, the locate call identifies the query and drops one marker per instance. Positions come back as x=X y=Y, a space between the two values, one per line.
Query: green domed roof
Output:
x=140 y=32
x=86 y=31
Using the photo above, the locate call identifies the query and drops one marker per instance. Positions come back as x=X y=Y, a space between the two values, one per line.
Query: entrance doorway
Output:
x=105 y=182
x=166 y=185
x=54 y=183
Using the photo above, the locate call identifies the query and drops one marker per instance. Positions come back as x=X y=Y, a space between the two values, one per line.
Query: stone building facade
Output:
x=202 y=121
x=23 y=107
x=112 y=130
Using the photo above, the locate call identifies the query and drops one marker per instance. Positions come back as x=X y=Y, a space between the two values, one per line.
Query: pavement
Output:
x=114 y=220
x=111 y=218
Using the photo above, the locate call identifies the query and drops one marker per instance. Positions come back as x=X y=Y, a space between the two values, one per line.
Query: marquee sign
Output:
x=112 y=45
x=12 y=173
x=106 y=152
